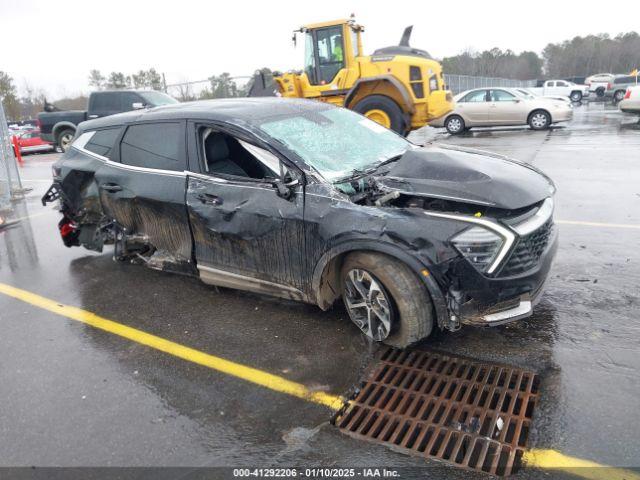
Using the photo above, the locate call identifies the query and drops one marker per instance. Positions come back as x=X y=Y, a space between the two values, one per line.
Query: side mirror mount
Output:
x=138 y=105
x=284 y=190
x=286 y=183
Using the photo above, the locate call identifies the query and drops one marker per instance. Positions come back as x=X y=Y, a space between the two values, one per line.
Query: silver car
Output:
x=488 y=107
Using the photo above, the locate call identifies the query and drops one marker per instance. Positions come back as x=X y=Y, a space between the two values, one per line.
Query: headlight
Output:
x=485 y=244
x=478 y=245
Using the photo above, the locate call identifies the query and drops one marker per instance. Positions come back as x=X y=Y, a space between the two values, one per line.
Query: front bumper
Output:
x=630 y=106
x=489 y=301
x=562 y=115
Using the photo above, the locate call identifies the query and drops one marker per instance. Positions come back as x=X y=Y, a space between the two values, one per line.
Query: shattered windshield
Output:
x=336 y=142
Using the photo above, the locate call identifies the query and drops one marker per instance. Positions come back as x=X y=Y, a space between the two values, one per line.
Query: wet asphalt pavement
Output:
x=75 y=396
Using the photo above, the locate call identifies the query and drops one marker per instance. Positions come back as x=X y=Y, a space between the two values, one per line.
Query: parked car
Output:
x=307 y=201
x=523 y=92
x=631 y=100
x=599 y=77
x=598 y=83
x=30 y=142
x=488 y=107
x=617 y=89
x=563 y=88
x=60 y=127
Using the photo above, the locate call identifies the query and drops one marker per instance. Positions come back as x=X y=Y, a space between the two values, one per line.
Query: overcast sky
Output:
x=53 y=45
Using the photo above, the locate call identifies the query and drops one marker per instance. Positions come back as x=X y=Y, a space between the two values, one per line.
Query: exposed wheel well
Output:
x=446 y=119
x=330 y=281
x=380 y=86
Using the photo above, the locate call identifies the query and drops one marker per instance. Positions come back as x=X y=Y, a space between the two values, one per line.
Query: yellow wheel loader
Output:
x=399 y=87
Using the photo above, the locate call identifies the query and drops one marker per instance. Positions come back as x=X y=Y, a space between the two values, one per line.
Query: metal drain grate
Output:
x=471 y=414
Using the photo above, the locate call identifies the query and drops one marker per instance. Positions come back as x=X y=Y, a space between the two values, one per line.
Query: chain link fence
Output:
x=460 y=83
x=10 y=183
x=190 y=90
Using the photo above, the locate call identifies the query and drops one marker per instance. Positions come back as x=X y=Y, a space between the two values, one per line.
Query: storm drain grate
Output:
x=470 y=414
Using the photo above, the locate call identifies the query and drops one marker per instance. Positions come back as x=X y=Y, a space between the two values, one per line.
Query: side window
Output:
x=223 y=154
x=474 y=97
x=354 y=43
x=551 y=84
x=154 y=145
x=127 y=99
x=105 y=102
x=501 y=96
x=562 y=84
x=330 y=53
x=102 y=141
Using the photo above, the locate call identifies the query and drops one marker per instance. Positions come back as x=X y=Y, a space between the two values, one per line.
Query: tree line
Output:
x=118 y=80
x=578 y=57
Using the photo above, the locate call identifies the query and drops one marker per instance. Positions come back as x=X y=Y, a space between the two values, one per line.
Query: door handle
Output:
x=111 y=187
x=209 y=199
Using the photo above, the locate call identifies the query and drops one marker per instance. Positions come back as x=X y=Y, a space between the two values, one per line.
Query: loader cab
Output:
x=329 y=55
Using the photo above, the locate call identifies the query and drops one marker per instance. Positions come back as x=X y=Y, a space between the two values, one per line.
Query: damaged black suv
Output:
x=311 y=202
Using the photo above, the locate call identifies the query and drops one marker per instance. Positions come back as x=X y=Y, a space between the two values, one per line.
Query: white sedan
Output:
x=488 y=107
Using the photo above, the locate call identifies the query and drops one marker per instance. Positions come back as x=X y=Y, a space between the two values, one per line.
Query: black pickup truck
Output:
x=59 y=127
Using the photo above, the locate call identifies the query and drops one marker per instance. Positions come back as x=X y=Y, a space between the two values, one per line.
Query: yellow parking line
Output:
x=228 y=367
x=554 y=460
x=599 y=224
x=544 y=459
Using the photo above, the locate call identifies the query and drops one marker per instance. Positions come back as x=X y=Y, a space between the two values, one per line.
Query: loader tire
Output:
x=384 y=111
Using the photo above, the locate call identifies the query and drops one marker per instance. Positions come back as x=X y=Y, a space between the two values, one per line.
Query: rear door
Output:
x=474 y=107
x=247 y=235
x=143 y=188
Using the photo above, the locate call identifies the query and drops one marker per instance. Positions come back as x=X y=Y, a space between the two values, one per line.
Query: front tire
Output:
x=385 y=299
x=539 y=120
x=64 y=139
x=384 y=111
x=576 y=96
x=455 y=125
x=618 y=96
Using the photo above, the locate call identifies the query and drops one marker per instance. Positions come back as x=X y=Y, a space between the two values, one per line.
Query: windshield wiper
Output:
x=355 y=174
x=395 y=158
x=361 y=172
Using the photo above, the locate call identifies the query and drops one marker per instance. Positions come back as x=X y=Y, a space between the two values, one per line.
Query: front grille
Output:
x=528 y=250
x=471 y=414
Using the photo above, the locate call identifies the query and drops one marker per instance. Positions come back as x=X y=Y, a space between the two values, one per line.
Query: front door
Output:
x=506 y=109
x=143 y=189
x=247 y=233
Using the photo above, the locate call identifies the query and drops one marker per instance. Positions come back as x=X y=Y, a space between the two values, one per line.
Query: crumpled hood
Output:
x=469 y=176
